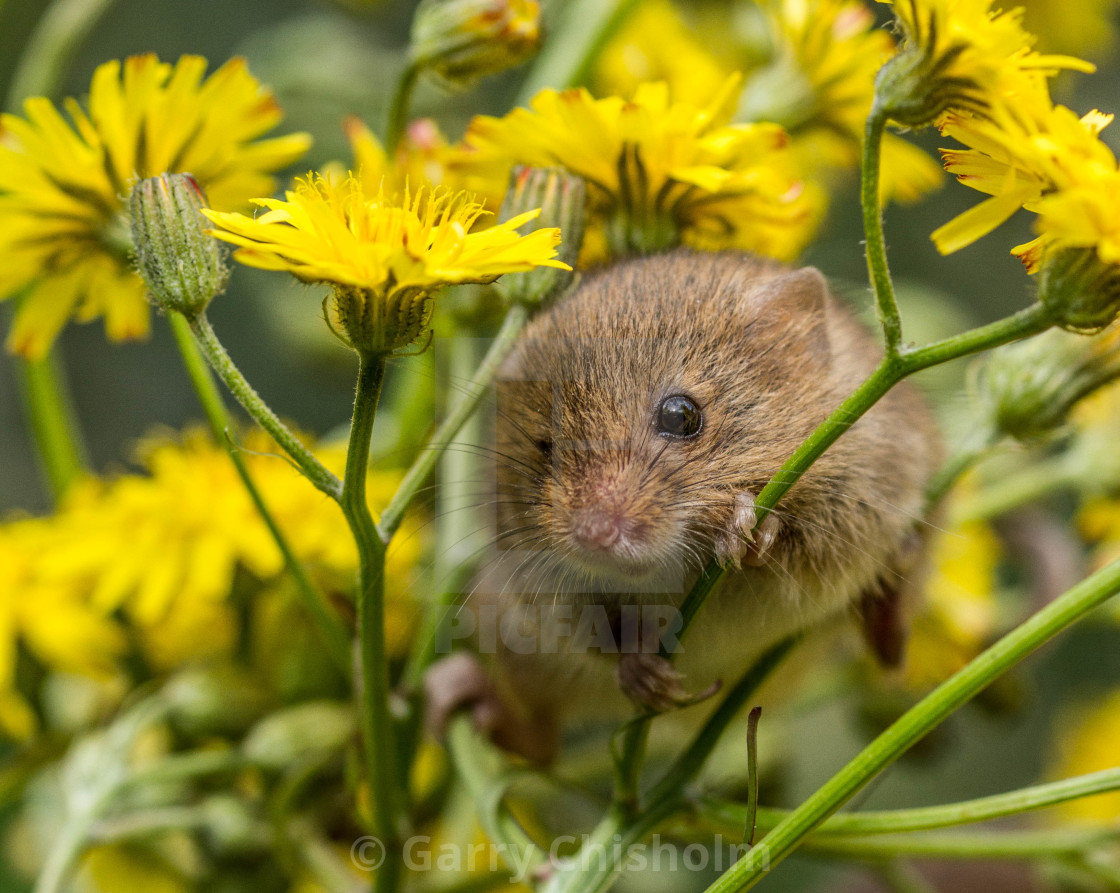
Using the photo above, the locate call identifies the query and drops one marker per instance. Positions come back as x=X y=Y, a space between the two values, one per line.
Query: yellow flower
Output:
x=1091 y=32
x=818 y=82
x=1035 y=155
x=655 y=44
x=64 y=187
x=658 y=170
x=958 y=616
x=960 y=54
x=385 y=259
x=1088 y=744
x=421 y=159
x=42 y=608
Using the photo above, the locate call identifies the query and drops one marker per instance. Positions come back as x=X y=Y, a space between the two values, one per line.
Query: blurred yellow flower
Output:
x=64 y=187
x=161 y=551
x=1091 y=32
x=421 y=159
x=655 y=44
x=658 y=170
x=958 y=616
x=818 y=83
x=1087 y=743
x=384 y=257
x=42 y=608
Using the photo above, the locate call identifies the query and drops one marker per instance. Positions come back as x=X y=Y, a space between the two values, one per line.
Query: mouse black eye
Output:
x=679 y=416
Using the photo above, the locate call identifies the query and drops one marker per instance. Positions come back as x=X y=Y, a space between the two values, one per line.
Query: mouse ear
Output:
x=798 y=303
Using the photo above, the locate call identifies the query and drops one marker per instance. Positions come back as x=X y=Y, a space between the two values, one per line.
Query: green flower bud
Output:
x=1081 y=292
x=306 y=730
x=463 y=40
x=560 y=196
x=1028 y=389
x=373 y=323
x=183 y=266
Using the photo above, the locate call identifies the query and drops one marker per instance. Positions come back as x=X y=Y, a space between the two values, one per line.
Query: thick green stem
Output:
x=54 y=425
x=730 y=816
x=398 y=108
x=877 y=269
x=919 y=720
x=1016 y=845
x=334 y=635
x=441 y=439
x=378 y=732
x=223 y=365
x=571 y=48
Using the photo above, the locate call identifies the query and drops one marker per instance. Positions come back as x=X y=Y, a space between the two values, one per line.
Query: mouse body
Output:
x=636 y=421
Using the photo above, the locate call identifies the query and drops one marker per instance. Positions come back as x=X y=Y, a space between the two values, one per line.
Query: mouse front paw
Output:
x=740 y=543
x=651 y=681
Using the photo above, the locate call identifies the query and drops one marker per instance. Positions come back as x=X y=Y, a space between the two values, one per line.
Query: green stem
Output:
x=334 y=635
x=877 y=269
x=888 y=373
x=956 y=467
x=1025 y=845
x=398 y=108
x=47 y=55
x=378 y=732
x=1024 y=486
x=487 y=775
x=667 y=797
x=728 y=816
x=574 y=43
x=919 y=720
x=54 y=425
x=441 y=439
x=223 y=365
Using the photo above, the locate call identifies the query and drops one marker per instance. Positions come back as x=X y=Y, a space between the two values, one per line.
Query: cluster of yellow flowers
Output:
x=153 y=559
x=1023 y=150
x=63 y=187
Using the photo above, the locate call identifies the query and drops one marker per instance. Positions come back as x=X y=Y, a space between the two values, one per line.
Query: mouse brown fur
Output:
x=598 y=507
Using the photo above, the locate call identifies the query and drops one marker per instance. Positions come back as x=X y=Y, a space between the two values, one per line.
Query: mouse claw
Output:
x=764 y=539
x=653 y=682
x=740 y=543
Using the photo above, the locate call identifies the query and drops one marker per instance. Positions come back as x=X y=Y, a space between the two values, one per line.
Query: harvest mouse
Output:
x=637 y=421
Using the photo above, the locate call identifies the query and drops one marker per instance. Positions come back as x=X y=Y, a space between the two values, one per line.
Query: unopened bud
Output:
x=1081 y=292
x=463 y=40
x=560 y=196
x=1028 y=389
x=183 y=266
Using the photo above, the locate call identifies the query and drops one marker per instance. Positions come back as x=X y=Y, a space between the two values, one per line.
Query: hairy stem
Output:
x=378 y=732
x=327 y=624
x=879 y=273
x=227 y=371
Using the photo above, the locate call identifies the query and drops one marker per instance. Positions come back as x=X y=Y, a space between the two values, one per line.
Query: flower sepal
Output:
x=1081 y=291
x=376 y=325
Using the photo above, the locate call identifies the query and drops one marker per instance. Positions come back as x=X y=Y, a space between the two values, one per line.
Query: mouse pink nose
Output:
x=595 y=528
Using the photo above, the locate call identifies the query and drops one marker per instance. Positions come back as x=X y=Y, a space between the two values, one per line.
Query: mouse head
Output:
x=631 y=414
